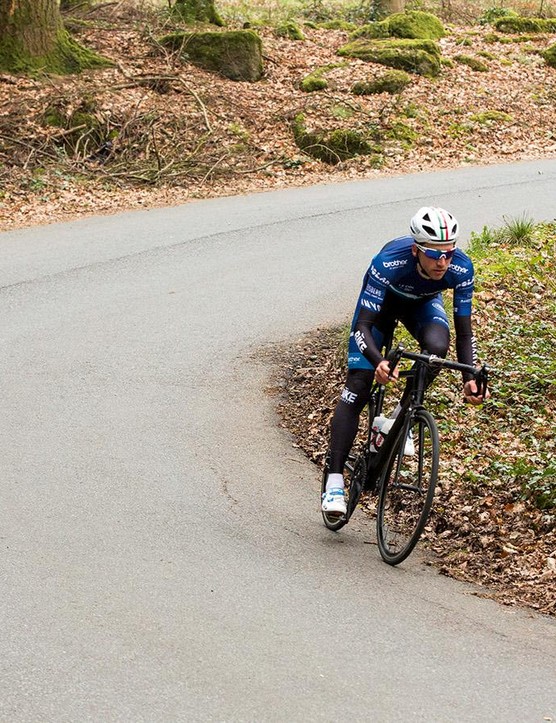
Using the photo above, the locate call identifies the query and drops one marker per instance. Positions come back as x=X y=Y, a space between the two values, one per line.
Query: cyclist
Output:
x=404 y=282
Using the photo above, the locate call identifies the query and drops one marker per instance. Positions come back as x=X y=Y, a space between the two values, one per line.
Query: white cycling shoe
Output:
x=334 y=502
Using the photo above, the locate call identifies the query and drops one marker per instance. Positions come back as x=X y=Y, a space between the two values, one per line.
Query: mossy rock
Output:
x=487 y=55
x=401 y=133
x=550 y=55
x=289 y=30
x=196 y=11
x=414 y=56
x=337 y=24
x=332 y=147
x=491 y=15
x=392 y=81
x=316 y=80
x=505 y=40
x=525 y=25
x=85 y=131
x=312 y=82
x=413 y=24
x=473 y=63
x=235 y=54
x=490 y=117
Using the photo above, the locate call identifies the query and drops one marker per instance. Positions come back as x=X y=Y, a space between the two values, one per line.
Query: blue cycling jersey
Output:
x=394 y=269
x=394 y=291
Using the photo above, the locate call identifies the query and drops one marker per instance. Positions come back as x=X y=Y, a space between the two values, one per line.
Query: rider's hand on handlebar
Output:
x=470 y=393
x=383 y=375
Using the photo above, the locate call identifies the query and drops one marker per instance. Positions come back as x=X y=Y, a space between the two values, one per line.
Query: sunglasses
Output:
x=436 y=254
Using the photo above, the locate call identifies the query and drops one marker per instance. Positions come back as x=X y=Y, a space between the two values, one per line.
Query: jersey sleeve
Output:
x=375 y=285
x=463 y=288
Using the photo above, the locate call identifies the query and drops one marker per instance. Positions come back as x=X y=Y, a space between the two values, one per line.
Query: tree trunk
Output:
x=197 y=11
x=33 y=38
x=387 y=7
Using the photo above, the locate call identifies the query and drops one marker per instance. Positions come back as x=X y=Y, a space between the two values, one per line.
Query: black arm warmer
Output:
x=364 y=338
x=465 y=343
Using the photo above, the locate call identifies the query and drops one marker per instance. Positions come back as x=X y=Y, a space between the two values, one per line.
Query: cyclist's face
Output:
x=433 y=268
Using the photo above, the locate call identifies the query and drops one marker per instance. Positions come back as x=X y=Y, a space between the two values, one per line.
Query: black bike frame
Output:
x=414 y=401
x=377 y=460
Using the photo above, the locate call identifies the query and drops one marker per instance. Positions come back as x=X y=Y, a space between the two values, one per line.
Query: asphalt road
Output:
x=162 y=552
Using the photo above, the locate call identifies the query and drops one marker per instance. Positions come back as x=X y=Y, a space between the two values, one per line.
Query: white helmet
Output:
x=434 y=226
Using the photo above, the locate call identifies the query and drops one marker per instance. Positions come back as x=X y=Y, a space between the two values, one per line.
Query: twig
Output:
x=141 y=80
x=200 y=102
x=343 y=101
x=259 y=168
x=66 y=131
x=211 y=169
x=27 y=145
x=271 y=60
x=123 y=71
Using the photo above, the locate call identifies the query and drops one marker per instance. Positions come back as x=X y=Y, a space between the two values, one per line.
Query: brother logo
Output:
x=396 y=262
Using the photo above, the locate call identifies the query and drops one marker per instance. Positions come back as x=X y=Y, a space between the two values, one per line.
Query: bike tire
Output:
x=354 y=475
x=406 y=489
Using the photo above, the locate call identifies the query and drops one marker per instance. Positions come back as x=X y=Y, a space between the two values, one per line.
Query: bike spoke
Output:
x=407 y=489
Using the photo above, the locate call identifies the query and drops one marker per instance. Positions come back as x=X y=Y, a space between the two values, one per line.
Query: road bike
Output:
x=401 y=466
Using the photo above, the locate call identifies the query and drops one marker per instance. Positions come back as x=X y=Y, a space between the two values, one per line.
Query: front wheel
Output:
x=355 y=471
x=407 y=488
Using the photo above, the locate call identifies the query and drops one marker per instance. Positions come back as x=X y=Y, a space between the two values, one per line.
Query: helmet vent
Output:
x=434 y=225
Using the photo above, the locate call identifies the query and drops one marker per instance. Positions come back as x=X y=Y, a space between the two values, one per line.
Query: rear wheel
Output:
x=407 y=489
x=355 y=471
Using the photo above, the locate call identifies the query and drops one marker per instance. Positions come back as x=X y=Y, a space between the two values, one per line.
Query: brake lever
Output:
x=482 y=381
x=394 y=357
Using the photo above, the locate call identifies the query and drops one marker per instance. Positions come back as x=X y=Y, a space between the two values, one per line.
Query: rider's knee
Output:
x=357 y=388
x=436 y=340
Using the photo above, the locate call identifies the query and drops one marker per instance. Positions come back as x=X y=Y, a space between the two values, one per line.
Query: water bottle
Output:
x=380 y=428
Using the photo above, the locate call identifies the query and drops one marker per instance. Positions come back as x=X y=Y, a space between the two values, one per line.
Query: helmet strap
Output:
x=420 y=268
